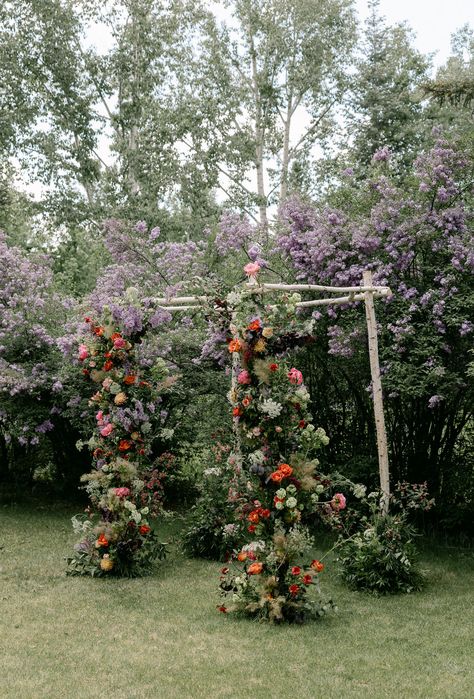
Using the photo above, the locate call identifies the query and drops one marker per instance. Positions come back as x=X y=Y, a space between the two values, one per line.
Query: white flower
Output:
x=257 y=457
x=322 y=436
x=291 y=489
x=254 y=546
x=233 y=298
x=291 y=502
x=270 y=408
x=229 y=529
x=212 y=471
x=129 y=505
x=166 y=433
x=281 y=493
x=359 y=490
x=319 y=489
x=279 y=505
x=302 y=394
x=145 y=510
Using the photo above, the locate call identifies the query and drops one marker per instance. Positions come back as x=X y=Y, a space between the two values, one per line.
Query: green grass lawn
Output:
x=162 y=636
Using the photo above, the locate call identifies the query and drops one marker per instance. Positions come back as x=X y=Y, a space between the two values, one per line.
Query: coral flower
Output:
x=101 y=541
x=296 y=570
x=107 y=430
x=317 y=566
x=130 y=379
x=254 y=517
x=244 y=378
x=254 y=325
x=277 y=476
x=338 y=502
x=237 y=412
x=144 y=529
x=252 y=269
x=294 y=589
x=235 y=345
x=295 y=376
x=122 y=492
x=115 y=336
x=286 y=470
x=119 y=343
x=242 y=556
x=98 y=330
x=125 y=445
x=255 y=568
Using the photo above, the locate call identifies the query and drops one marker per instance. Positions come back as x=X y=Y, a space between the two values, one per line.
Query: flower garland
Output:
x=272 y=576
x=124 y=490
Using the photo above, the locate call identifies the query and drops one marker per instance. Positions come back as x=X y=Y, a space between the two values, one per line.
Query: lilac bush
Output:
x=418 y=239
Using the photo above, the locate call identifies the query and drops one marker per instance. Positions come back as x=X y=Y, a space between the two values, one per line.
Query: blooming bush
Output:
x=416 y=237
x=125 y=489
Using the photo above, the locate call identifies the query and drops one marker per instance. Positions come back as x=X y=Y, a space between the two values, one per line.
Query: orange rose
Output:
x=101 y=541
x=144 y=529
x=242 y=556
x=237 y=412
x=317 y=566
x=286 y=470
x=254 y=517
x=115 y=336
x=277 y=476
x=255 y=568
x=235 y=345
x=125 y=445
x=254 y=325
x=108 y=365
x=130 y=379
x=98 y=330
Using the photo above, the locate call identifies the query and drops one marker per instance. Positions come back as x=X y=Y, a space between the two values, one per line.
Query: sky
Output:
x=433 y=21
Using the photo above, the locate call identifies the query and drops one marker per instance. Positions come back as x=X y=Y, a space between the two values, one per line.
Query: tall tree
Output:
x=385 y=105
x=270 y=76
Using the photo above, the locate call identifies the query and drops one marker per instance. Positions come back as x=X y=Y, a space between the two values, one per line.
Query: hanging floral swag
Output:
x=272 y=576
x=124 y=488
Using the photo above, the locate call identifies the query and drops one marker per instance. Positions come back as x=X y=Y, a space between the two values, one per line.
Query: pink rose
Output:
x=252 y=269
x=106 y=383
x=83 y=352
x=122 y=492
x=119 y=343
x=105 y=431
x=100 y=417
x=338 y=502
x=244 y=377
x=295 y=376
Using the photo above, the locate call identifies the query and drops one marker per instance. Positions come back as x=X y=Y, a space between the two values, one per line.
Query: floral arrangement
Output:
x=272 y=576
x=124 y=488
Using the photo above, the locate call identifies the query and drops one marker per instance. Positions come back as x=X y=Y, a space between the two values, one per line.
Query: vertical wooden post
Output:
x=382 y=447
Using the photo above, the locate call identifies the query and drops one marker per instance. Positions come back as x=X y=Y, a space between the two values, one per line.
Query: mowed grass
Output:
x=161 y=636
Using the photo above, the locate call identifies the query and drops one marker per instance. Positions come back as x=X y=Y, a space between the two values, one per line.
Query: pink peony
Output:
x=252 y=269
x=119 y=343
x=122 y=492
x=295 y=376
x=338 y=502
x=244 y=377
x=83 y=352
x=105 y=431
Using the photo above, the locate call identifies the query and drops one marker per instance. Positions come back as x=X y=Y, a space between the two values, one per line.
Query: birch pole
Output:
x=382 y=447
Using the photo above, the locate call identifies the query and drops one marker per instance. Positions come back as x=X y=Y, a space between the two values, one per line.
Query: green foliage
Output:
x=382 y=557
